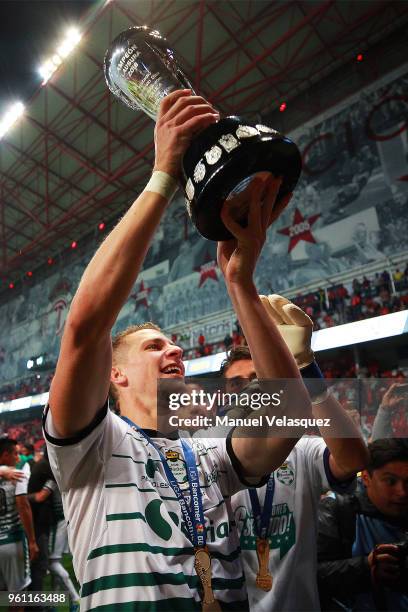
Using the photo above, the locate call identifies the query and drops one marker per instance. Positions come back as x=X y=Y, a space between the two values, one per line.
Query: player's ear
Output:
x=365 y=477
x=118 y=377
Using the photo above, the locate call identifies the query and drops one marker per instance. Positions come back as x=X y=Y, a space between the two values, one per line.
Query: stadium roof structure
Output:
x=78 y=156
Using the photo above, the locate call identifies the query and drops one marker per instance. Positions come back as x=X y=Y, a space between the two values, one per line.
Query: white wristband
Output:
x=163 y=184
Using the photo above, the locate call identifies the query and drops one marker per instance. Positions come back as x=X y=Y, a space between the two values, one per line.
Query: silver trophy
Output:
x=141 y=69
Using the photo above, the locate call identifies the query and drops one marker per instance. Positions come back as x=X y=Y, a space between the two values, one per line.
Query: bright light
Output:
x=101 y=226
x=56 y=60
x=14 y=113
x=50 y=261
x=29 y=273
x=73 y=35
x=74 y=245
x=46 y=70
x=65 y=47
x=11 y=285
x=40 y=360
x=360 y=57
x=282 y=107
x=30 y=364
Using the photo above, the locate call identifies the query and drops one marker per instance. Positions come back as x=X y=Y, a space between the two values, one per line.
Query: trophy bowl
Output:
x=221 y=161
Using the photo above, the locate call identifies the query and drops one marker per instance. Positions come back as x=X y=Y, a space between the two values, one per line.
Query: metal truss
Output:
x=78 y=156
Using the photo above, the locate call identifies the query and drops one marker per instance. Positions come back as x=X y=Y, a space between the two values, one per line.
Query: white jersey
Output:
x=11 y=529
x=125 y=526
x=299 y=483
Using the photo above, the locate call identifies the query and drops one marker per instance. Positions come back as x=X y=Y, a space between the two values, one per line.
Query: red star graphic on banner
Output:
x=300 y=229
x=141 y=296
x=207 y=270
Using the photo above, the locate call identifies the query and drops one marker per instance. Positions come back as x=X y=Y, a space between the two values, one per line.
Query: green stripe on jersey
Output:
x=139 y=547
x=129 y=484
x=162 y=605
x=125 y=516
x=129 y=457
x=158 y=550
x=143 y=579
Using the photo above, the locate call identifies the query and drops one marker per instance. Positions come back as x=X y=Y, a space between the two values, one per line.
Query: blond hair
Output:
x=118 y=343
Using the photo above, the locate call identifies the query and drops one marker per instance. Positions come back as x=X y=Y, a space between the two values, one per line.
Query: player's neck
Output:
x=140 y=415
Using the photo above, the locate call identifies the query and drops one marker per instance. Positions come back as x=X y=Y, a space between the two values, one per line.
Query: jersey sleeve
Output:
x=22 y=485
x=51 y=485
x=82 y=457
x=316 y=459
x=231 y=478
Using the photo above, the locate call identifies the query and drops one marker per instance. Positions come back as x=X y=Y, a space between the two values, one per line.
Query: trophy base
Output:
x=223 y=159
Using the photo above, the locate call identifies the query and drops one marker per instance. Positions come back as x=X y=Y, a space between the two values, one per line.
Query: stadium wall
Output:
x=348 y=211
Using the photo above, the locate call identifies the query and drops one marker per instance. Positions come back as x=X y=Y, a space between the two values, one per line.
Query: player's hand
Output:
x=237 y=258
x=33 y=550
x=295 y=326
x=11 y=474
x=394 y=396
x=181 y=116
x=384 y=564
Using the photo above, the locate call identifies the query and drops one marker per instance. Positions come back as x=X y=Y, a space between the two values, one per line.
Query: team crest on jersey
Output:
x=173 y=455
x=286 y=473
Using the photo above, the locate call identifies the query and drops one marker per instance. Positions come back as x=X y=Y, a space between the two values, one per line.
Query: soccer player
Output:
x=150 y=522
x=15 y=519
x=278 y=523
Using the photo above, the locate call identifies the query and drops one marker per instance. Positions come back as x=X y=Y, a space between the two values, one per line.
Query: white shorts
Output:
x=14 y=566
x=58 y=540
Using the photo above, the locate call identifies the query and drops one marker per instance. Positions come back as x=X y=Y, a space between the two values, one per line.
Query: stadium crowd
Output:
x=372 y=562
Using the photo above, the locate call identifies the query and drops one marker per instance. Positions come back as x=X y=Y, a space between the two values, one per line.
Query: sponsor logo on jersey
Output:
x=281 y=533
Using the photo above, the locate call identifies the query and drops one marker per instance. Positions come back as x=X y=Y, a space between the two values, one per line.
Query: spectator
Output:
x=393 y=406
x=398 y=278
x=227 y=341
x=361 y=566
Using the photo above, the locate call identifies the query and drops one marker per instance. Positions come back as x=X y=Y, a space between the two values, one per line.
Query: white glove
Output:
x=295 y=326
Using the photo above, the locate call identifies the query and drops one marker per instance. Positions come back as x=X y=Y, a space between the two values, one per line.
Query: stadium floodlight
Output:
x=56 y=60
x=73 y=35
x=14 y=112
x=46 y=71
x=40 y=360
x=67 y=45
x=30 y=364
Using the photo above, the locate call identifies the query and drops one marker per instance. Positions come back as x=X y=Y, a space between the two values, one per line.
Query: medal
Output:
x=202 y=566
x=193 y=515
x=263 y=577
x=262 y=517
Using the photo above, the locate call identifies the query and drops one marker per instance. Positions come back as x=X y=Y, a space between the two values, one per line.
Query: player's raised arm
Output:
x=80 y=386
x=272 y=359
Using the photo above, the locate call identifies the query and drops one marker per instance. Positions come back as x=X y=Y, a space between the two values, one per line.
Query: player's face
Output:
x=10 y=458
x=151 y=356
x=238 y=375
x=387 y=488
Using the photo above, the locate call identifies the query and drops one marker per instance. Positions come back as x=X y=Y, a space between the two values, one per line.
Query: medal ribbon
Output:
x=262 y=517
x=194 y=516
